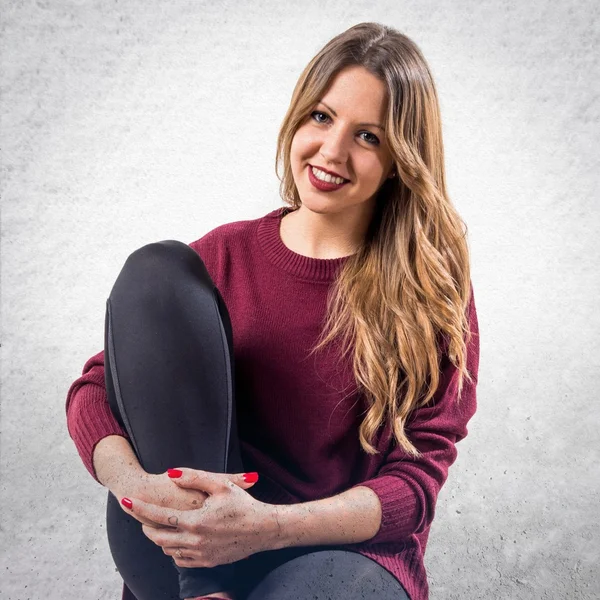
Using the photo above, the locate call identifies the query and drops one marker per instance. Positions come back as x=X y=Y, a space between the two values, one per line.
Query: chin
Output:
x=320 y=204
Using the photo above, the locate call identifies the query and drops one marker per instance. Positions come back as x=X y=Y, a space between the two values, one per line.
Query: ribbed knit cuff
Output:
x=400 y=508
x=89 y=420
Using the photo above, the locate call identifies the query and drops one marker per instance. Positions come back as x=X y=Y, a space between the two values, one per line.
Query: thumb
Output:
x=243 y=480
x=209 y=482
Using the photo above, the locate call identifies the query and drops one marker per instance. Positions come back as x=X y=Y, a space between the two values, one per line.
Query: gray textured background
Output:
x=130 y=122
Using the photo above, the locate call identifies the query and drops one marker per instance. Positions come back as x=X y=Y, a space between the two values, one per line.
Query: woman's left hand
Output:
x=229 y=526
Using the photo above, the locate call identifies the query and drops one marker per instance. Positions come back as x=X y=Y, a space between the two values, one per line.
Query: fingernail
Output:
x=251 y=477
x=174 y=473
x=127 y=503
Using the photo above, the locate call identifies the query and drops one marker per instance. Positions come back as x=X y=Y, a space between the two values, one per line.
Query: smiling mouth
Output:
x=327 y=177
x=324 y=186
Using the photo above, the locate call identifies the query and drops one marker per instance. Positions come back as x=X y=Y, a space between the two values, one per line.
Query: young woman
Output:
x=329 y=348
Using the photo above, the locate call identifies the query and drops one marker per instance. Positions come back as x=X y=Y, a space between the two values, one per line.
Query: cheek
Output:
x=380 y=166
x=371 y=171
x=303 y=144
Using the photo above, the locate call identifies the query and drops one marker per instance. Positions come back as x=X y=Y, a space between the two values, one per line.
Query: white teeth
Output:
x=326 y=177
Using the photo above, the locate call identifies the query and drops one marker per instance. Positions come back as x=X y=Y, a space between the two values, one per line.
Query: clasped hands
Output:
x=228 y=525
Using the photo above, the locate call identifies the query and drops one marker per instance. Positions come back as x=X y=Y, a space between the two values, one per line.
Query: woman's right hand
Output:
x=162 y=491
x=119 y=470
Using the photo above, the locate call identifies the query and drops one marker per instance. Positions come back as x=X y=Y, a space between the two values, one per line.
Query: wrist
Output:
x=354 y=516
x=117 y=467
x=283 y=524
x=130 y=483
x=275 y=534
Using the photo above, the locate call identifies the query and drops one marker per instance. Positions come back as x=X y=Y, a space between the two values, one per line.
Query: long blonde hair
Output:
x=401 y=300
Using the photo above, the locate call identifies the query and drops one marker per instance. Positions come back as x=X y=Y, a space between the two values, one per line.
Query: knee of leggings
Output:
x=156 y=254
x=158 y=259
x=164 y=270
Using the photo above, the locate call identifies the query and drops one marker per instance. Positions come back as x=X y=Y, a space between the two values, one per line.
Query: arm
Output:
x=408 y=488
x=105 y=449
x=101 y=442
x=351 y=517
x=116 y=465
x=89 y=418
x=402 y=496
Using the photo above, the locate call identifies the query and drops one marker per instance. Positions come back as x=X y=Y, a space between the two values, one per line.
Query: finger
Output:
x=142 y=520
x=188 y=561
x=170 y=538
x=178 y=552
x=153 y=525
x=145 y=512
x=182 y=557
x=185 y=557
x=209 y=482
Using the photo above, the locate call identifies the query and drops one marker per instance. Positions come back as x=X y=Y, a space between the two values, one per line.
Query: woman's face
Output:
x=344 y=135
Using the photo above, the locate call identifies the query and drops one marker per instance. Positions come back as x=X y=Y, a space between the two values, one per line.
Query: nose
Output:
x=334 y=146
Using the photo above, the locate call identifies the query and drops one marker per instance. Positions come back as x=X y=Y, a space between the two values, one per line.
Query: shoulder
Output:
x=229 y=235
x=220 y=235
x=225 y=248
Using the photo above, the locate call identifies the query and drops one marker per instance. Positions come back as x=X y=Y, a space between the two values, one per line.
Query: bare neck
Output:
x=323 y=236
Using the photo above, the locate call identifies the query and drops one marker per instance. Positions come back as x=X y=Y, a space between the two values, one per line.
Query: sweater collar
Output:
x=303 y=267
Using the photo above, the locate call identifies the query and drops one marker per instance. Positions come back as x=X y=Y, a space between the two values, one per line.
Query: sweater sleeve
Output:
x=89 y=417
x=407 y=487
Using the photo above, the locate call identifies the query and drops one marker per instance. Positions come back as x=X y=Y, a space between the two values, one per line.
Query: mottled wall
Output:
x=130 y=122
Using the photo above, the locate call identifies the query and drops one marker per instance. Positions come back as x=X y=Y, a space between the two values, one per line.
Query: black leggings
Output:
x=169 y=371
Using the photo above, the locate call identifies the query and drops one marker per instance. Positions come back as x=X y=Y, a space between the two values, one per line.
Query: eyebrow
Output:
x=361 y=124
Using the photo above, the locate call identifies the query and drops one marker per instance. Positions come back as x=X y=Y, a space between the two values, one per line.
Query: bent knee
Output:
x=157 y=256
x=162 y=268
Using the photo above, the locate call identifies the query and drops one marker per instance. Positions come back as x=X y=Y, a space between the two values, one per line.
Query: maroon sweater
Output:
x=297 y=426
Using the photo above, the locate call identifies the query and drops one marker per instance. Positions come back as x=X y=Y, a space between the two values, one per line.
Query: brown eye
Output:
x=316 y=114
x=374 y=140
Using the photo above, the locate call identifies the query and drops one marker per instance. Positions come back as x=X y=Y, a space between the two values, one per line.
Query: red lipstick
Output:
x=323 y=186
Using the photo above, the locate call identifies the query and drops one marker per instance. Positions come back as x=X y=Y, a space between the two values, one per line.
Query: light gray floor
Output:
x=130 y=122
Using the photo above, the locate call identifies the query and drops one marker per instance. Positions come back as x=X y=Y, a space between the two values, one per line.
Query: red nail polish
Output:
x=127 y=503
x=174 y=473
x=251 y=477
